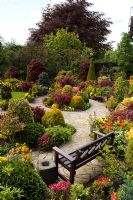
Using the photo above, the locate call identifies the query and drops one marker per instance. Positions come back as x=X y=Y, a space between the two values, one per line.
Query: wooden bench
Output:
x=80 y=156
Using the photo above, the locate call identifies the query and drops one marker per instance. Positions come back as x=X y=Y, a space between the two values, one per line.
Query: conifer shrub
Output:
x=22 y=175
x=91 y=73
x=21 y=109
x=77 y=102
x=53 y=117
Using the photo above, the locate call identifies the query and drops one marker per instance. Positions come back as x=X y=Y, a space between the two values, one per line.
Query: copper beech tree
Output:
x=78 y=17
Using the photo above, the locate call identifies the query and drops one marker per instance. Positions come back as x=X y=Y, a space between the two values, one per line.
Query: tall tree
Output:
x=125 y=53
x=76 y=15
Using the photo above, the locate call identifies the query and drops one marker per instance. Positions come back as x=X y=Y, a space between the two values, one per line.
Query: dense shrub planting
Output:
x=12 y=72
x=43 y=79
x=66 y=81
x=55 y=136
x=22 y=175
x=24 y=86
x=21 y=109
x=38 y=113
x=35 y=68
x=61 y=98
x=30 y=134
x=53 y=117
x=77 y=102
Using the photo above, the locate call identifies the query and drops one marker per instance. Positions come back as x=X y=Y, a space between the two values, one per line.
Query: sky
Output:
x=17 y=16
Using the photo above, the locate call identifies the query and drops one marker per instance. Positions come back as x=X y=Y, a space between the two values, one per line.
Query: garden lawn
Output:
x=18 y=95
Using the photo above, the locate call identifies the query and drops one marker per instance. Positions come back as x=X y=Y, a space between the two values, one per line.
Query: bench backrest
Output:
x=91 y=150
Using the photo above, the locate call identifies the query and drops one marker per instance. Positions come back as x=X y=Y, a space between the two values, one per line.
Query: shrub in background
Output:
x=66 y=81
x=106 y=83
x=129 y=148
x=81 y=85
x=53 y=117
x=22 y=175
x=30 y=134
x=24 y=86
x=62 y=99
x=43 y=79
x=5 y=91
x=84 y=68
x=35 y=68
x=111 y=103
x=21 y=109
x=91 y=73
x=37 y=113
x=77 y=102
x=68 y=89
x=121 y=88
x=12 y=72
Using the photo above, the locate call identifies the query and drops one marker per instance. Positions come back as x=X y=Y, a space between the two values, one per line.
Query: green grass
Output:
x=18 y=95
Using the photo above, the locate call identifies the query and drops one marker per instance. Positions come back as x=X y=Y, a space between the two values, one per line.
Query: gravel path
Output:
x=81 y=137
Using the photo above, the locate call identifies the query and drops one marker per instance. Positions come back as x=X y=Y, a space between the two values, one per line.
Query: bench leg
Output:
x=56 y=156
x=72 y=175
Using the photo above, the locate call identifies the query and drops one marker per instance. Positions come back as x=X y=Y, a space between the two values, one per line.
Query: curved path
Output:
x=81 y=137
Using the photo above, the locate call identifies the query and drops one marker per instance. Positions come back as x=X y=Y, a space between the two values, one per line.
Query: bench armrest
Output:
x=62 y=153
x=97 y=133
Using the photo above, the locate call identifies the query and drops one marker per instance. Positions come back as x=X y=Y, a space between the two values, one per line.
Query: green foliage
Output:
x=43 y=79
x=64 y=51
x=10 y=193
x=79 y=192
x=58 y=135
x=22 y=175
x=21 y=109
x=4 y=104
x=125 y=53
x=110 y=56
x=114 y=168
x=121 y=87
x=77 y=102
x=111 y=103
x=126 y=191
x=68 y=89
x=30 y=134
x=91 y=73
x=53 y=117
x=129 y=152
x=5 y=90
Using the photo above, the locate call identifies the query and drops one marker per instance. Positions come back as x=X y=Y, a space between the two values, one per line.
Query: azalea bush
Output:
x=60 y=190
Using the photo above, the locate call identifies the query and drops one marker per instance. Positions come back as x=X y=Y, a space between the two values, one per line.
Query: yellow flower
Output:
x=100 y=119
x=3 y=159
x=129 y=134
x=24 y=148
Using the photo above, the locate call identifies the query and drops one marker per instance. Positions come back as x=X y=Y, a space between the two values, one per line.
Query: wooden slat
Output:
x=60 y=152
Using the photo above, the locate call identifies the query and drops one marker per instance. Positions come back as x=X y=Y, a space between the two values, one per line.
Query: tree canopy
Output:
x=91 y=26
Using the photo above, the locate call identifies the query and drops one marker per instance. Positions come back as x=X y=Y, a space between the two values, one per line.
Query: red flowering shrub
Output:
x=38 y=113
x=62 y=98
x=106 y=83
x=104 y=182
x=76 y=90
x=66 y=81
x=13 y=72
x=60 y=190
x=25 y=86
x=35 y=68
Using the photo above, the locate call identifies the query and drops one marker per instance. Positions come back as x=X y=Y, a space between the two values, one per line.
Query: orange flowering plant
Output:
x=20 y=152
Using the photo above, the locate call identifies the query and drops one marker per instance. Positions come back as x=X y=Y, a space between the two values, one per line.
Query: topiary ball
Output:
x=53 y=117
x=77 y=102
